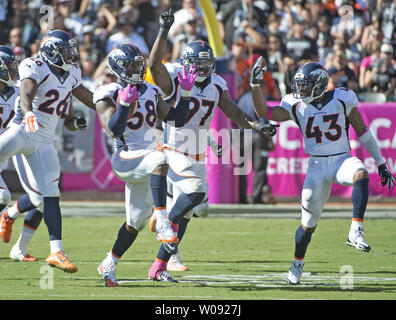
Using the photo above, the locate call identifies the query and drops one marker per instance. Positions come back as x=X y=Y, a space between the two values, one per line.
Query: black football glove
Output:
x=386 y=176
x=265 y=128
x=80 y=123
x=166 y=19
x=257 y=72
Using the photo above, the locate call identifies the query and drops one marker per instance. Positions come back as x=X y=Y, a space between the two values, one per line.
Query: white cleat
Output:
x=175 y=263
x=107 y=271
x=356 y=239
x=164 y=231
x=18 y=254
x=295 y=272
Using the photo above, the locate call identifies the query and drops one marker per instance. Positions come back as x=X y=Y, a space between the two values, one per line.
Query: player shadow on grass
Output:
x=326 y=287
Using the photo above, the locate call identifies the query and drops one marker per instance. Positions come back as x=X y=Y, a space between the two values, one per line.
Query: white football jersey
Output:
x=7 y=105
x=140 y=132
x=52 y=100
x=192 y=137
x=324 y=125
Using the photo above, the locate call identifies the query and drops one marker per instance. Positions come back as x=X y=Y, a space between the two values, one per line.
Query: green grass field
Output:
x=229 y=259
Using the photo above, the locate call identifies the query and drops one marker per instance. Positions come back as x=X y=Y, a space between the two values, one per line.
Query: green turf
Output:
x=236 y=259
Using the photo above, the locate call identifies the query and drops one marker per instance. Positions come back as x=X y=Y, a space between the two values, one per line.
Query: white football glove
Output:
x=31 y=122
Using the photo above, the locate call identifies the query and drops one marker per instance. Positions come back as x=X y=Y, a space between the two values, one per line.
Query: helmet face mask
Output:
x=8 y=67
x=135 y=70
x=60 y=50
x=310 y=82
x=200 y=55
x=128 y=64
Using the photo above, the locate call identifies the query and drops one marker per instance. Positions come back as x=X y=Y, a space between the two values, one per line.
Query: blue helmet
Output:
x=199 y=54
x=127 y=63
x=8 y=66
x=310 y=82
x=59 y=49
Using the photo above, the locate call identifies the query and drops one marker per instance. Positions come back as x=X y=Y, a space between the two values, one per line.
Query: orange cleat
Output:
x=29 y=258
x=6 y=224
x=61 y=261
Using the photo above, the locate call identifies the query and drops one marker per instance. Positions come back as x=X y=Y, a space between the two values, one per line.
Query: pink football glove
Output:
x=31 y=122
x=128 y=95
x=187 y=80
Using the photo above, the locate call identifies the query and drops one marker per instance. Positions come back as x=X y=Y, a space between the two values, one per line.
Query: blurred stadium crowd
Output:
x=353 y=39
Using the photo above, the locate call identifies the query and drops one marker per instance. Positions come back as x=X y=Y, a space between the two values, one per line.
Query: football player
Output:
x=8 y=93
x=47 y=82
x=323 y=117
x=185 y=147
x=128 y=110
x=31 y=203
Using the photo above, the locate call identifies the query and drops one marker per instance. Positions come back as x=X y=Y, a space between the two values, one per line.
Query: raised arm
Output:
x=259 y=101
x=158 y=70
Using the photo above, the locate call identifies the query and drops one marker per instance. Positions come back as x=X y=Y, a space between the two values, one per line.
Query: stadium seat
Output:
x=372 y=97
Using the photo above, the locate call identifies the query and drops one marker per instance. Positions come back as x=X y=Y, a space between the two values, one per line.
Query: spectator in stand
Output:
x=381 y=76
x=72 y=20
x=324 y=39
x=104 y=24
x=387 y=12
x=341 y=75
x=189 y=34
x=372 y=32
x=87 y=65
x=245 y=16
x=274 y=53
x=348 y=30
x=16 y=43
x=283 y=9
x=273 y=24
x=189 y=8
x=298 y=43
x=146 y=24
x=374 y=50
x=90 y=9
x=340 y=48
x=126 y=32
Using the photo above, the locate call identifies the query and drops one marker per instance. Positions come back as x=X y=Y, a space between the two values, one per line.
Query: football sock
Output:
x=52 y=217
x=24 y=238
x=182 y=228
x=302 y=239
x=21 y=206
x=31 y=222
x=360 y=194
x=56 y=246
x=163 y=254
x=158 y=186
x=184 y=203
x=33 y=219
x=124 y=241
